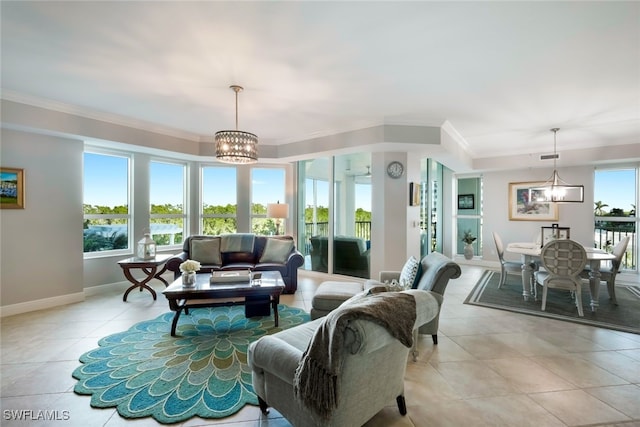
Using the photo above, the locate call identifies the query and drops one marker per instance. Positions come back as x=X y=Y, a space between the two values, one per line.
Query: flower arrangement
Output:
x=468 y=237
x=190 y=266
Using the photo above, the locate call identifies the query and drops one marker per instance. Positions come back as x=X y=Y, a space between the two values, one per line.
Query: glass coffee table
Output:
x=206 y=294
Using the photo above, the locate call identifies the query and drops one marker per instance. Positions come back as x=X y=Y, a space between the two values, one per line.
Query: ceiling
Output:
x=500 y=73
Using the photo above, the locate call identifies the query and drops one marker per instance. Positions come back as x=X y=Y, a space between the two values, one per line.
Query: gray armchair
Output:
x=435 y=272
x=373 y=365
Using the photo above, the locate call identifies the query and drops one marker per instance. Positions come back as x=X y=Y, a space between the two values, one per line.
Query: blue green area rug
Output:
x=200 y=372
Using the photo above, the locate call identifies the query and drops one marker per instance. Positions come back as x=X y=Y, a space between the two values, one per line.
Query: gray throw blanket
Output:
x=316 y=379
x=239 y=242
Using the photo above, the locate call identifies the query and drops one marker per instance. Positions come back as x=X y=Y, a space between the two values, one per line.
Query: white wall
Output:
x=578 y=216
x=41 y=250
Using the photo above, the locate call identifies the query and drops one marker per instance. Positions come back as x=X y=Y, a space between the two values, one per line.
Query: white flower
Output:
x=189 y=266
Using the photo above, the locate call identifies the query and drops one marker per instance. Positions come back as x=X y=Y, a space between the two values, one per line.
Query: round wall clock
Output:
x=395 y=169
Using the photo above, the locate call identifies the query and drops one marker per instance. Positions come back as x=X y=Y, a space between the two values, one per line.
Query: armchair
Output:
x=373 y=365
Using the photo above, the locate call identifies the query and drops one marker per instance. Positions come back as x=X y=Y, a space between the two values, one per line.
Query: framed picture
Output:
x=466 y=201
x=524 y=204
x=11 y=188
x=553 y=233
x=414 y=194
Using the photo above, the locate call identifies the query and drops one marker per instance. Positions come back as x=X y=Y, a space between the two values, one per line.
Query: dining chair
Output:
x=608 y=274
x=564 y=261
x=506 y=267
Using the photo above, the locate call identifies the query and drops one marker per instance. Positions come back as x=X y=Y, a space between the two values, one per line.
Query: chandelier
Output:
x=555 y=189
x=236 y=146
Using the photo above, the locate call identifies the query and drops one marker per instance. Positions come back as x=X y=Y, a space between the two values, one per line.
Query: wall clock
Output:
x=395 y=169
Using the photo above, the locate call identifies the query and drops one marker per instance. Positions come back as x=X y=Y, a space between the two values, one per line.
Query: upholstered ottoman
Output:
x=330 y=295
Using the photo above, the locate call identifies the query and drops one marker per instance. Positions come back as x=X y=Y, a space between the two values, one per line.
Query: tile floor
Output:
x=490 y=368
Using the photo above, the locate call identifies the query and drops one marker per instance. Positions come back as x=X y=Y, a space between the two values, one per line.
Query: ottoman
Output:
x=330 y=295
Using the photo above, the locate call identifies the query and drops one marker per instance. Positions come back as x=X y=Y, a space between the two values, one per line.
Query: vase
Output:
x=189 y=279
x=468 y=251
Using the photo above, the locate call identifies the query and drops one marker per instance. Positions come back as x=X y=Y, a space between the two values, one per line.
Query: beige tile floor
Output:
x=490 y=368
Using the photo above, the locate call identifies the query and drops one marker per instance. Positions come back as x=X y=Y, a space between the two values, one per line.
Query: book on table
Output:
x=230 y=277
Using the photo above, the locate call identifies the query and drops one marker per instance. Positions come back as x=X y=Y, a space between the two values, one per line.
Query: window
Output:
x=219 y=200
x=267 y=186
x=167 y=198
x=614 y=195
x=107 y=218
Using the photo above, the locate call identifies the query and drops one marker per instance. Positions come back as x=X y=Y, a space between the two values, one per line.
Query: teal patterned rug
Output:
x=203 y=371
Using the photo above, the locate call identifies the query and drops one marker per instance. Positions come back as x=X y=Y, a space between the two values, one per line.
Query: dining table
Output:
x=530 y=254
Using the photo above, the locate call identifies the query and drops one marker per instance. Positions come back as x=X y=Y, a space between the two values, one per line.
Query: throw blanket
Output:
x=316 y=379
x=239 y=242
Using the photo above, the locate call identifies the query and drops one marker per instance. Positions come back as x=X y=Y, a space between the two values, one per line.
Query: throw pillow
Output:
x=207 y=251
x=409 y=274
x=276 y=250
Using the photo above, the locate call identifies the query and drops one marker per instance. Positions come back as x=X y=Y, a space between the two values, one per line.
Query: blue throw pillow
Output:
x=409 y=274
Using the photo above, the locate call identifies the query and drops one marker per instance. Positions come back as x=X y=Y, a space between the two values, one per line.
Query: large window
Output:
x=107 y=218
x=167 y=198
x=219 y=200
x=615 y=197
x=267 y=186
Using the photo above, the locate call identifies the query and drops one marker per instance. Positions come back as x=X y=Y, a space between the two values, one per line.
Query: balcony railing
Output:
x=362 y=229
x=609 y=232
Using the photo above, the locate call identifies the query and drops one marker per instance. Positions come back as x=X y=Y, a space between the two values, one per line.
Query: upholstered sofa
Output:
x=242 y=251
x=372 y=369
x=351 y=255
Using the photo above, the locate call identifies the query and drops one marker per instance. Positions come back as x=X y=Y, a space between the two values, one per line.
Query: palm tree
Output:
x=599 y=206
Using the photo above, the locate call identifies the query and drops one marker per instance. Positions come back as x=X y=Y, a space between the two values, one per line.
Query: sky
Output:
x=615 y=188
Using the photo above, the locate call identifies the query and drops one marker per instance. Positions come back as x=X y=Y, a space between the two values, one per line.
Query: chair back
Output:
x=564 y=258
x=618 y=252
x=499 y=245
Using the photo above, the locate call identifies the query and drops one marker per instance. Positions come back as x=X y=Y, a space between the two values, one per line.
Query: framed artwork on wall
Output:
x=524 y=204
x=466 y=201
x=414 y=194
x=11 y=188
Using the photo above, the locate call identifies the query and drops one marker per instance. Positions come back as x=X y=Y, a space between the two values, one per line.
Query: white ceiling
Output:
x=501 y=73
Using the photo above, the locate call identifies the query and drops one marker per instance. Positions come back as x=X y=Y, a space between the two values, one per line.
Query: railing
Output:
x=607 y=235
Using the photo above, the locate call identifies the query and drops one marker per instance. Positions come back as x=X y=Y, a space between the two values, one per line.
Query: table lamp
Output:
x=278 y=211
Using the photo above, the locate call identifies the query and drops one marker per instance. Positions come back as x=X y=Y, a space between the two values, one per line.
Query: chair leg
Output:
x=611 y=288
x=544 y=297
x=434 y=337
x=579 y=301
x=264 y=408
x=402 y=405
x=503 y=278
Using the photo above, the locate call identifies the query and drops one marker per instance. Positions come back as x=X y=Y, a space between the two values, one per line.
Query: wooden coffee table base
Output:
x=206 y=295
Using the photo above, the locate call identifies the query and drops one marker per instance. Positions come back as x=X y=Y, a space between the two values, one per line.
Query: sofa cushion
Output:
x=410 y=272
x=207 y=251
x=238 y=242
x=276 y=251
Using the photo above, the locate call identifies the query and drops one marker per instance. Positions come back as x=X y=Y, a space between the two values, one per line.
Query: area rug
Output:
x=202 y=371
x=622 y=317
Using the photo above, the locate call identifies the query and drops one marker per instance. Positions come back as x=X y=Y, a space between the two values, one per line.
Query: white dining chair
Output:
x=564 y=261
x=608 y=274
x=506 y=267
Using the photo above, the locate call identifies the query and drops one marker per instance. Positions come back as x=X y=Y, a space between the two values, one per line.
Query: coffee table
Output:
x=205 y=294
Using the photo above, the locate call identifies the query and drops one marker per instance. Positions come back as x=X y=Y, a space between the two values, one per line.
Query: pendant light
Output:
x=555 y=190
x=236 y=146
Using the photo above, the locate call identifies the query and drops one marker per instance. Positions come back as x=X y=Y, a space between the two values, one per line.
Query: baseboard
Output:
x=41 y=304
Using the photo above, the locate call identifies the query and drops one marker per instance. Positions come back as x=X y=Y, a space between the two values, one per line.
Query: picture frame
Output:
x=466 y=201
x=554 y=232
x=11 y=188
x=415 y=194
x=523 y=204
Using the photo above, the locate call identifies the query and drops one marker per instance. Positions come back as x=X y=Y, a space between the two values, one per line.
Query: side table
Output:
x=149 y=267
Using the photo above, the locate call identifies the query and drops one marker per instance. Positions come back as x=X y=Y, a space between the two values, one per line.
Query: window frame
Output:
x=89 y=149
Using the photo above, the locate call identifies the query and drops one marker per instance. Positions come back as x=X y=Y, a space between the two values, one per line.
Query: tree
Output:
x=599 y=211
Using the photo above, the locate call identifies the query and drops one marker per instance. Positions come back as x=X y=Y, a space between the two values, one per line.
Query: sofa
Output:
x=351 y=255
x=242 y=251
x=433 y=275
x=372 y=366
